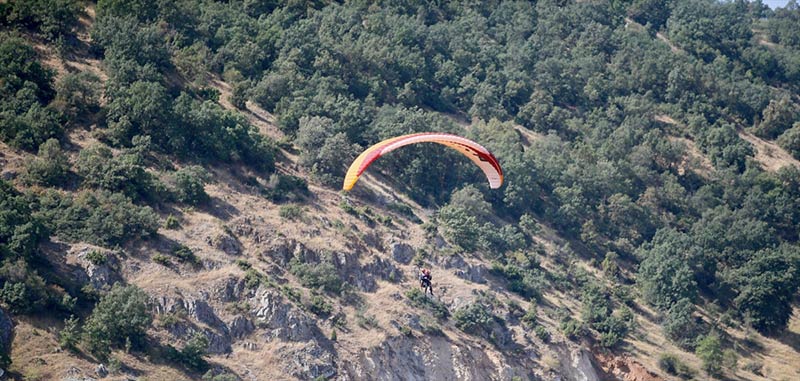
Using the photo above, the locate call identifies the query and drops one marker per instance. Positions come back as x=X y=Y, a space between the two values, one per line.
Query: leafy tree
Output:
x=52 y=18
x=766 y=285
x=680 y=326
x=121 y=316
x=790 y=140
x=123 y=173
x=778 y=117
x=664 y=276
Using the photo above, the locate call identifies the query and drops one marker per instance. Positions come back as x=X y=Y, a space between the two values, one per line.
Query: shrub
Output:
x=525 y=282
x=418 y=299
x=319 y=306
x=192 y=354
x=674 y=366
x=69 y=336
x=185 y=254
x=98 y=217
x=790 y=140
x=123 y=173
x=542 y=333
x=162 y=260
x=122 y=316
x=172 y=223
x=290 y=212
x=366 y=321
x=709 y=350
x=317 y=275
x=189 y=185
x=530 y=316
x=572 y=328
x=97 y=257
x=285 y=187
x=475 y=319
x=50 y=167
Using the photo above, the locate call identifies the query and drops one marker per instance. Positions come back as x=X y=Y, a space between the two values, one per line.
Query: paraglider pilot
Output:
x=425 y=281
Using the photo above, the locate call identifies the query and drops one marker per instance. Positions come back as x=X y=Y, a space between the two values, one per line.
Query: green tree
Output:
x=790 y=141
x=778 y=117
x=69 y=336
x=767 y=284
x=709 y=350
x=665 y=276
x=78 y=93
x=680 y=326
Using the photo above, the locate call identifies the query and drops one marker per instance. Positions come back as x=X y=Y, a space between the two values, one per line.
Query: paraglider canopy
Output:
x=474 y=151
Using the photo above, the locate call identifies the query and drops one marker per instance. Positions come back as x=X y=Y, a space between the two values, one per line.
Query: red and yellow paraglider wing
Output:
x=474 y=151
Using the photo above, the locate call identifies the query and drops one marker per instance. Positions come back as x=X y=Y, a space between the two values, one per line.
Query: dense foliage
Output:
x=619 y=124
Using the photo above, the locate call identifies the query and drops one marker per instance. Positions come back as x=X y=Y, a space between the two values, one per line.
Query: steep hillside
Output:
x=171 y=206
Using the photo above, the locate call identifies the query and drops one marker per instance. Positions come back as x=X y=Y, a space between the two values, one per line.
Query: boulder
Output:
x=402 y=252
x=241 y=327
x=226 y=243
x=311 y=362
x=283 y=321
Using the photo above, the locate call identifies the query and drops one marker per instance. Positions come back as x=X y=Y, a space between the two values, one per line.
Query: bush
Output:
x=172 y=223
x=542 y=333
x=185 y=254
x=418 y=299
x=475 y=319
x=290 y=212
x=97 y=257
x=192 y=354
x=285 y=187
x=572 y=328
x=69 y=336
x=97 y=217
x=317 y=275
x=123 y=173
x=319 y=306
x=790 y=141
x=162 y=260
x=525 y=282
x=50 y=167
x=122 y=316
x=672 y=365
x=709 y=350
x=78 y=93
x=530 y=316
x=189 y=185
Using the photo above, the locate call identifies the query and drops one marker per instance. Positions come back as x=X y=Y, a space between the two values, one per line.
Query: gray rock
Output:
x=226 y=243
x=229 y=289
x=402 y=252
x=101 y=275
x=310 y=362
x=241 y=327
x=383 y=269
x=101 y=371
x=282 y=321
x=204 y=313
